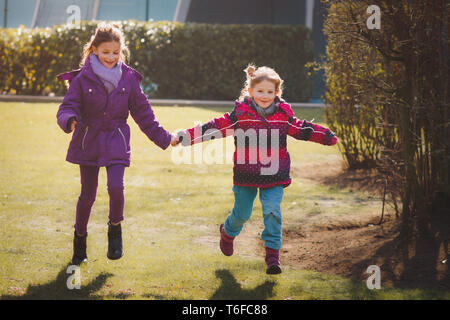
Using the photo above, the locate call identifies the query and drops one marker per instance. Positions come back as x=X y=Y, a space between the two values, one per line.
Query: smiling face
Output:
x=108 y=53
x=263 y=93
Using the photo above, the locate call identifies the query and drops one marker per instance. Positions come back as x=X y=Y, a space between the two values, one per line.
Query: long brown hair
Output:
x=106 y=32
x=257 y=75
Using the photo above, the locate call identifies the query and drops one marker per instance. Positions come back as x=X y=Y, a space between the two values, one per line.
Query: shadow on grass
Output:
x=58 y=290
x=230 y=289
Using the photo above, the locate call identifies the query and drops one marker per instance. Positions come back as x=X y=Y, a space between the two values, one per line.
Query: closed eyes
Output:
x=269 y=92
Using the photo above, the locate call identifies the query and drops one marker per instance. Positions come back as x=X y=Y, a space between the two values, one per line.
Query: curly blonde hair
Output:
x=257 y=75
x=106 y=32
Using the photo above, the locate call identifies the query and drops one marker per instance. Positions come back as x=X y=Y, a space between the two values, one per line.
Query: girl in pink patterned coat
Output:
x=260 y=123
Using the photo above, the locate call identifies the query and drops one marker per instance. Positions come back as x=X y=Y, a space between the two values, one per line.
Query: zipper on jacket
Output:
x=84 y=137
x=124 y=140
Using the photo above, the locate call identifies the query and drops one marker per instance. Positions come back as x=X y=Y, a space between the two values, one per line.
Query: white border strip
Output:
x=36 y=10
x=181 y=11
x=309 y=14
x=95 y=10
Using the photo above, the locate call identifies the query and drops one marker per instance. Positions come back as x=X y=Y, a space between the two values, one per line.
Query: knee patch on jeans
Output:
x=272 y=215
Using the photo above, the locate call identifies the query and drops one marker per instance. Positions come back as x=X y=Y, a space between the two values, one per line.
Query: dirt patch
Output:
x=336 y=251
x=348 y=250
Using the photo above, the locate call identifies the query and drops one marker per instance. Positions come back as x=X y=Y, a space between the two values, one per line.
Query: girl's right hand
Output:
x=174 y=141
x=72 y=125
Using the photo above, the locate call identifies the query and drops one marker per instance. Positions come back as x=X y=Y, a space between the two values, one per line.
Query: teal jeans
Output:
x=243 y=206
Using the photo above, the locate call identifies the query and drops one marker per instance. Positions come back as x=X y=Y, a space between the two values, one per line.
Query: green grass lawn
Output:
x=172 y=214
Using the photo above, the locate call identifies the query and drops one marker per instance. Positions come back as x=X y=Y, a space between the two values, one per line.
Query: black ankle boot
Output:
x=79 y=249
x=114 y=241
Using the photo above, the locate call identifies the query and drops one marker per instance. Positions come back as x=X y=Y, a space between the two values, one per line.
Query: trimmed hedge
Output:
x=178 y=61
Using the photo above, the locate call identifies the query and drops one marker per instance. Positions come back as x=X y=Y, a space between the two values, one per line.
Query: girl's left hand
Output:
x=72 y=125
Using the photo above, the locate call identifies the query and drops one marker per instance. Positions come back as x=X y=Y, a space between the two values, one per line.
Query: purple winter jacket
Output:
x=102 y=135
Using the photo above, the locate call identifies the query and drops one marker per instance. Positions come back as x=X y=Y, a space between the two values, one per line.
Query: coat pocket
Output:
x=83 y=141
x=125 y=144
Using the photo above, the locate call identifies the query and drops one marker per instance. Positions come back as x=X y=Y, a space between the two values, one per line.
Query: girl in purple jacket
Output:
x=96 y=106
x=260 y=123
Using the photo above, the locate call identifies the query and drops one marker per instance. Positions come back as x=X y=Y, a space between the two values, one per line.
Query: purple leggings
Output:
x=89 y=183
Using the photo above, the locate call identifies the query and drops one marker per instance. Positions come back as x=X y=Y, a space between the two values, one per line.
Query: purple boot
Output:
x=226 y=242
x=273 y=261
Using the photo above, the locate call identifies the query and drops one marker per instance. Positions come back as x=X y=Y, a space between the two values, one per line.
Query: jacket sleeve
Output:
x=70 y=107
x=308 y=131
x=142 y=113
x=215 y=129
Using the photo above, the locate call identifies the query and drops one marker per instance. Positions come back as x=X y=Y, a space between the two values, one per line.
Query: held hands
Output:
x=174 y=141
x=177 y=139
